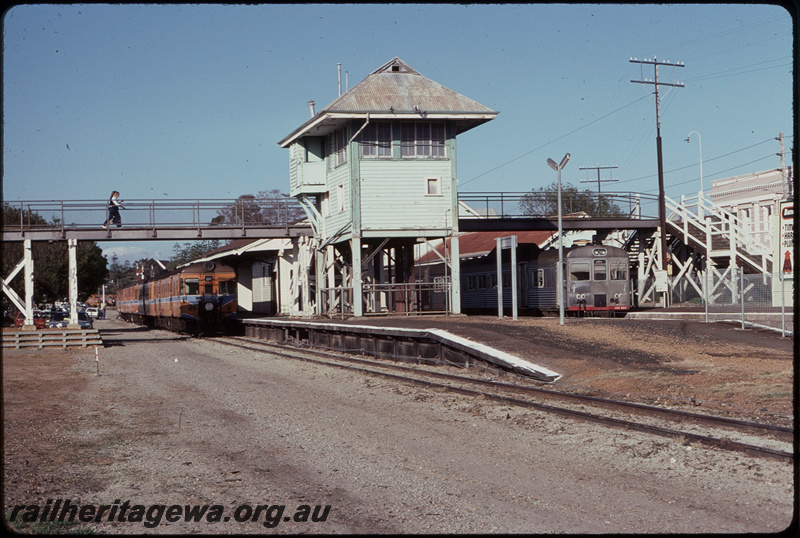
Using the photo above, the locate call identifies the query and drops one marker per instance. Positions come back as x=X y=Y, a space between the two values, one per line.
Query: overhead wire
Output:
x=711 y=160
x=714 y=174
x=550 y=142
x=619 y=129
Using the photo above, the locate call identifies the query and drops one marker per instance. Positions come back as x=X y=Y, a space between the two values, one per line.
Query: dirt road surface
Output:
x=175 y=422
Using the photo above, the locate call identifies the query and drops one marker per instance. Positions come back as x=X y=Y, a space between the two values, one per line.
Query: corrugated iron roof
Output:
x=472 y=244
x=399 y=90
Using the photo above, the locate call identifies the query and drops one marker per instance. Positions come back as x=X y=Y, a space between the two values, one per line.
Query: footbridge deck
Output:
x=147 y=220
x=144 y=220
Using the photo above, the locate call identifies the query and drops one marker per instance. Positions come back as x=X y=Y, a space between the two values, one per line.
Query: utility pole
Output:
x=662 y=213
x=598 y=168
x=787 y=185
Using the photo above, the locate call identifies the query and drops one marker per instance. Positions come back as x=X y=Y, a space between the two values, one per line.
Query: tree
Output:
x=268 y=207
x=192 y=251
x=544 y=202
x=51 y=262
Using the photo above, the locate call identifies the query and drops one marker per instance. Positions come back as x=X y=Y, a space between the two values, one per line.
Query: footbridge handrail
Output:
x=491 y=205
x=77 y=214
x=700 y=220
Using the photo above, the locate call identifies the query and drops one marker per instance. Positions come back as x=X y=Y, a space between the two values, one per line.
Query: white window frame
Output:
x=417 y=141
x=340 y=197
x=326 y=204
x=338 y=148
x=437 y=183
x=376 y=140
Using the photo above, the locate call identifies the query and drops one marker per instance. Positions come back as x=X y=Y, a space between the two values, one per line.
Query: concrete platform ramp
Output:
x=394 y=343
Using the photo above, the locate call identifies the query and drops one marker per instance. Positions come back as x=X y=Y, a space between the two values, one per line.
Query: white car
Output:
x=92 y=312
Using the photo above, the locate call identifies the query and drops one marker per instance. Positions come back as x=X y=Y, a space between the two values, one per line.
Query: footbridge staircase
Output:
x=705 y=244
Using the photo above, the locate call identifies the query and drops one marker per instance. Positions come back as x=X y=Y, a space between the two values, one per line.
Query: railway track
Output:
x=756 y=439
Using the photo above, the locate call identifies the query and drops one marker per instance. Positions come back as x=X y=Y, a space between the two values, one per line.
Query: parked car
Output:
x=92 y=312
x=39 y=319
x=59 y=320
x=84 y=320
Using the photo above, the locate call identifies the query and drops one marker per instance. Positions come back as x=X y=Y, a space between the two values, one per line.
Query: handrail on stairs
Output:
x=712 y=220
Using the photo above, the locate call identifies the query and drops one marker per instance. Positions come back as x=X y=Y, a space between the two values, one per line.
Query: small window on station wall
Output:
x=433 y=186
x=340 y=197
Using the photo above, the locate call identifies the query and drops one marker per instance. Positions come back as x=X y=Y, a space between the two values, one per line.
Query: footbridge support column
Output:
x=358 y=290
x=28 y=261
x=24 y=306
x=72 y=247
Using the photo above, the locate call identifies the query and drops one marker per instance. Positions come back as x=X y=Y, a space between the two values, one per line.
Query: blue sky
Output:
x=189 y=101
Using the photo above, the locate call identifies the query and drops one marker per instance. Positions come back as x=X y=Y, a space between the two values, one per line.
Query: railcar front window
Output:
x=227 y=287
x=619 y=271
x=579 y=272
x=600 y=269
x=191 y=286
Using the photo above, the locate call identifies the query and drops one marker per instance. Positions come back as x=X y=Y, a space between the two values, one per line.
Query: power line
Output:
x=551 y=141
x=711 y=159
x=720 y=172
x=720 y=74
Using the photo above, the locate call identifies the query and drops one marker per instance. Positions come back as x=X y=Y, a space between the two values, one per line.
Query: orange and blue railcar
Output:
x=197 y=298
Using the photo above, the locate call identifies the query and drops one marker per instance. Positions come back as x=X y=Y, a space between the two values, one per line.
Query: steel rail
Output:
x=727 y=444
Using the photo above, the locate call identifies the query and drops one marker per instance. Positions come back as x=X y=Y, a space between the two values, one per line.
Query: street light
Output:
x=700 y=141
x=557 y=168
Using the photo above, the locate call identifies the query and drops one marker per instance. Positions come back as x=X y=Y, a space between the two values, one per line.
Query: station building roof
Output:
x=478 y=244
x=395 y=91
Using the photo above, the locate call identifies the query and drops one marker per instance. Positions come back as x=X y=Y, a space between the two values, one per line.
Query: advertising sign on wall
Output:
x=783 y=260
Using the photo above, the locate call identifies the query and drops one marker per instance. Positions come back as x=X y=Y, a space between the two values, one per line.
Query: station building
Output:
x=375 y=171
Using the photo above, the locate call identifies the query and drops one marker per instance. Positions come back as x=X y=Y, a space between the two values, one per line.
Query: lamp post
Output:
x=700 y=141
x=558 y=167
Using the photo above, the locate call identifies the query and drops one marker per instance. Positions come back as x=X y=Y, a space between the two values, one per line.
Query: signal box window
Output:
x=433 y=186
x=422 y=139
x=376 y=140
x=338 y=145
x=340 y=197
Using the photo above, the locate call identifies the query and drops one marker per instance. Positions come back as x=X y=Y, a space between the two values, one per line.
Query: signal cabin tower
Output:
x=375 y=171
